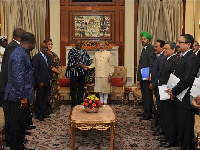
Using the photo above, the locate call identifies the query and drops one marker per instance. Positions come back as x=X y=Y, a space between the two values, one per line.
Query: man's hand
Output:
x=41 y=85
x=85 y=68
x=169 y=91
x=59 y=71
x=150 y=85
x=196 y=102
x=138 y=85
x=24 y=103
x=149 y=78
x=109 y=78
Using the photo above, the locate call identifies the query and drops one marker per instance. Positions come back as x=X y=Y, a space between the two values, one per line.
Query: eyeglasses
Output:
x=179 y=42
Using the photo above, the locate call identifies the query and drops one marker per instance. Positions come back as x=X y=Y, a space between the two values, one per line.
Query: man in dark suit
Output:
x=186 y=71
x=168 y=111
x=42 y=74
x=146 y=59
x=20 y=89
x=156 y=69
x=195 y=48
x=4 y=78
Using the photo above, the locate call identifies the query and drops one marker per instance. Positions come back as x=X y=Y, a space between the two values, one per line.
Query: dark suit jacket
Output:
x=156 y=69
x=168 y=68
x=42 y=72
x=186 y=70
x=198 y=55
x=146 y=59
x=4 y=68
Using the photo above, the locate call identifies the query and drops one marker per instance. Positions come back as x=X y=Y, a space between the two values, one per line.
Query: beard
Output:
x=144 y=44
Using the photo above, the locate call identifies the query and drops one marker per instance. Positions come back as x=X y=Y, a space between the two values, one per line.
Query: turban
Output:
x=146 y=34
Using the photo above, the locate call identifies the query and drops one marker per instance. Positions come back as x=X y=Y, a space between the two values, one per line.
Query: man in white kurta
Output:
x=104 y=68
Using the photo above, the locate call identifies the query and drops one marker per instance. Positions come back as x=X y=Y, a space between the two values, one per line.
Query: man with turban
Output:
x=146 y=59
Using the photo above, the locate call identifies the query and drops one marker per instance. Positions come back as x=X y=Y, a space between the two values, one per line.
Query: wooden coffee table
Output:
x=104 y=119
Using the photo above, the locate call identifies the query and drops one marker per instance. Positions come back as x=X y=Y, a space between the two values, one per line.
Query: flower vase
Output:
x=93 y=110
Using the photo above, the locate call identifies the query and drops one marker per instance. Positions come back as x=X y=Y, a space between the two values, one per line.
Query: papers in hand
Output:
x=172 y=82
x=163 y=92
x=145 y=73
x=195 y=90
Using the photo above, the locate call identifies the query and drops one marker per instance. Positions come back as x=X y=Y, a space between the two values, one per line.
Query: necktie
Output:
x=45 y=58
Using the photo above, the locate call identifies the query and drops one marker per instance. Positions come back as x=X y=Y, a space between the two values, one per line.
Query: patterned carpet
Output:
x=130 y=134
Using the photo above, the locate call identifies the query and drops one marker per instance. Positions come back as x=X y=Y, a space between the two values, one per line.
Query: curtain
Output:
x=148 y=14
x=173 y=16
x=162 y=19
x=27 y=14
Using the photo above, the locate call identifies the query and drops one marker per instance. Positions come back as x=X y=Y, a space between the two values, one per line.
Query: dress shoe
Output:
x=155 y=129
x=46 y=116
x=158 y=132
x=27 y=133
x=168 y=145
x=25 y=148
x=162 y=139
x=141 y=115
x=30 y=127
x=25 y=141
x=40 y=117
x=146 y=118
x=28 y=148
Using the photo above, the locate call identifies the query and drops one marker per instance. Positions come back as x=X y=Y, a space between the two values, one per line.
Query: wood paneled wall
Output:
x=115 y=9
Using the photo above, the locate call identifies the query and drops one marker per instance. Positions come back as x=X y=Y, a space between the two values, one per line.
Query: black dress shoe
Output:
x=29 y=127
x=40 y=117
x=155 y=129
x=141 y=115
x=22 y=147
x=27 y=133
x=146 y=118
x=168 y=145
x=25 y=141
x=158 y=132
x=162 y=139
x=46 y=116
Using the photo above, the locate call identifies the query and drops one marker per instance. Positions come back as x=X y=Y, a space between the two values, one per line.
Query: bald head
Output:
x=17 y=33
x=78 y=44
x=43 y=48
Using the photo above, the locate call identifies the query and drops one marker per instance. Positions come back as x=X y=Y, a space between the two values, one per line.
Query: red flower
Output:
x=85 y=104
x=90 y=101
x=91 y=107
x=94 y=105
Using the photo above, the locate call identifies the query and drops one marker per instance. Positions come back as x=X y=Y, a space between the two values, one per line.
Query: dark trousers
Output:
x=7 y=130
x=168 y=113
x=42 y=100
x=156 y=93
x=17 y=128
x=147 y=97
x=77 y=89
x=185 y=125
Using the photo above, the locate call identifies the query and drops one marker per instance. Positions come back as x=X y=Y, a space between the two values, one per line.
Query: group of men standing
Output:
x=20 y=76
x=176 y=116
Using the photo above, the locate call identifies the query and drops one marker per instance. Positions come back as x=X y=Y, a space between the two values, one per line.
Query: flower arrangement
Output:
x=92 y=102
x=93 y=45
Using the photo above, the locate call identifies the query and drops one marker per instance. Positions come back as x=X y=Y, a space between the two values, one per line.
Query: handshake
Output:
x=84 y=67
